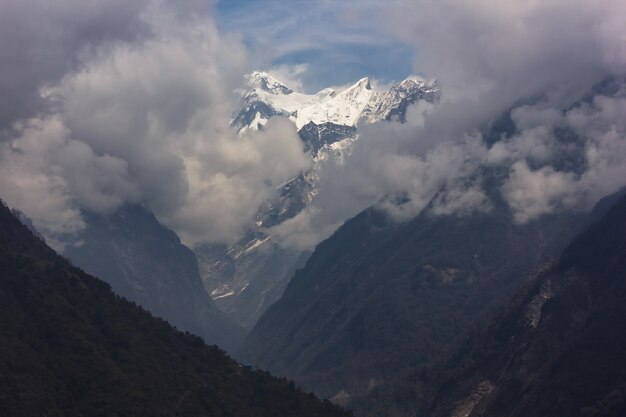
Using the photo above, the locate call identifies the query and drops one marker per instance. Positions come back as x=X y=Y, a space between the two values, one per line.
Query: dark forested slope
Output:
x=70 y=347
x=147 y=263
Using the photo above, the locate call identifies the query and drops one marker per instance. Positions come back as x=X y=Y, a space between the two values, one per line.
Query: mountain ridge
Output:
x=356 y=313
x=558 y=348
x=268 y=97
x=71 y=347
x=147 y=263
x=245 y=278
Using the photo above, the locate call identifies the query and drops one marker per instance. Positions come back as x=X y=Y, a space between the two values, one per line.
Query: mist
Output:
x=141 y=116
x=130 y=103
x=490 y=59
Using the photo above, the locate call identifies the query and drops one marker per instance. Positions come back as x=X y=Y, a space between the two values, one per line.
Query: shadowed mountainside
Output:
x=377 y=297
x=147 y=263
x=558 y=349
x=71 y=347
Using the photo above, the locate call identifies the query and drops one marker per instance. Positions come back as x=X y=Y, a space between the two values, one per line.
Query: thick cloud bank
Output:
x=107 y=103
x=133 y=107
x=490 y=58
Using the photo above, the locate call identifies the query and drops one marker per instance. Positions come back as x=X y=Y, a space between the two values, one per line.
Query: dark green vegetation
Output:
x=70 y=347
x=147 y=263
x=378 y=298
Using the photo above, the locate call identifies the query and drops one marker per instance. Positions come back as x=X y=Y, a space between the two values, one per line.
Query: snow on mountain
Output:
x=243 y=279
x=387 y=104
x=267 y=83
x=268 y=97
x=344 y=108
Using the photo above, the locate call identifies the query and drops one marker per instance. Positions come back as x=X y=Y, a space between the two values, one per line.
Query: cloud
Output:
x=461 y=199
x=290 y=75
x=51 y=177
x=105 y=103
x=145 y=119
x=490 y=59
x=41 y=41
x=231 y=176
x=515 y=49
x=583 y=158
x=394 y=167
x=339 y=41
x=533 y=193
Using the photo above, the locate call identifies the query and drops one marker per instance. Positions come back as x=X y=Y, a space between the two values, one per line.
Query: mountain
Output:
x=245 y=278
x=268 y=97
x=71 y=347
x=558 y=348
x=317 y=136
x=147 y=263
x=26 y=221
x=377 y=296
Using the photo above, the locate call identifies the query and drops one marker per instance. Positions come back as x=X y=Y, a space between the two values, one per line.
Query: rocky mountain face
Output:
x=146 y=263
x=393 y=103
x=316 y=136
x=379 y=300
x=557 y=349
x=377 y=296
x=71 y=347
x=247 y=277
x=244 y=279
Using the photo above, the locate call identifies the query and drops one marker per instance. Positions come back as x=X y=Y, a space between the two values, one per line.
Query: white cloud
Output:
x=601 y=171
x=147 y=120
x=534 y=193
x=489 y=57
x=290 y=75
x=135 y=103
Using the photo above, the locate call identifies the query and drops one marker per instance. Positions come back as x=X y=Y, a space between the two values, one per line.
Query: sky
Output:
x=106 y=103
x=338 y=42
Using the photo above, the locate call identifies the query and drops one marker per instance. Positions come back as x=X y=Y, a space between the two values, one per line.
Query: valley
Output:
x=316 y=208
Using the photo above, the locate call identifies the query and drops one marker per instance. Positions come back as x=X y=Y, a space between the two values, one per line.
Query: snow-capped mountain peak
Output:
x=247 y=277
x=269 y=97
x=326 y=94
x=265 y=82
x=344 y=108
x=392 y=103
x=363 y=83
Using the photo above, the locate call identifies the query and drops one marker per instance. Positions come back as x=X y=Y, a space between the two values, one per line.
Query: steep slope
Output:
x=344 y=108
x=244 y=279
x=316 y=136
x=70 y=347
x=377 y=296
x=394 y=102
x=146 y=263
x=376 y=299
x=559 y=348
